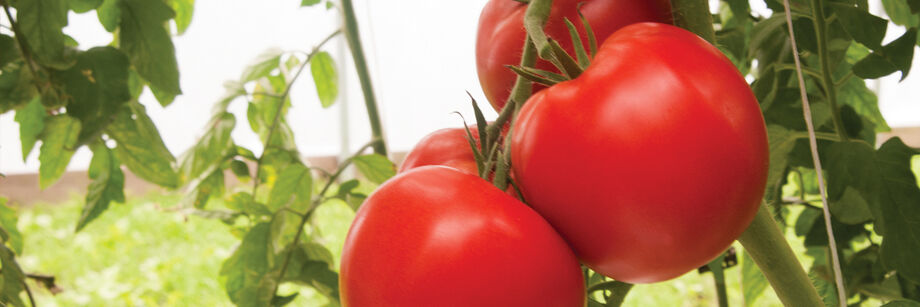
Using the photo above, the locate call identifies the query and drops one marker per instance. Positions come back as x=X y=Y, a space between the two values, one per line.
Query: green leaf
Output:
x=311 y=265
x=83 y=6
x=278 y=301
x=16 y=87
x=241 y=170
x=855 y=94
x=13 y=278
x=213 y=147
x=375 y=168
x=8 y=230
x=851 y=164
x=294 y=181
x=895 y=56
x=243 y=202
x=752 y=280
x=781 y=141
x=825 y=289
x=309 y=2
x=851 y=208
x=8 y=50
x=42 y=23
x=203 y=189
x=184 y=10
x=141 y=148
x=98 y=86
x=325 y=77
x=59 y=139
x=31 y=121
x=900 y=13
x=263 y=65
x=247 y=275
x=865 y=28
x=145 y=39
x=900 y=207
x=109 y=14
x=108 y=184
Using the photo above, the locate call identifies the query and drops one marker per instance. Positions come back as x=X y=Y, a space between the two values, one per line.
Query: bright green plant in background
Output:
x=67 y=98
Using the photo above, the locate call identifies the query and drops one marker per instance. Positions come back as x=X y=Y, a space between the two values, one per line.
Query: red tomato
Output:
x=448 y=146
x=434 y=236
x=651 y=162
x=501 y=34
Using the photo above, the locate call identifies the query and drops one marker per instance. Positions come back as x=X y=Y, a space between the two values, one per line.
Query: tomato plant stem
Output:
x=827 y=79
x=357 y=53
x=718 y=276
x=766 y=244
x=694 y=15
x=519 y=94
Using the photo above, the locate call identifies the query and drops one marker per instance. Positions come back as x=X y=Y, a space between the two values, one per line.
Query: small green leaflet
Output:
x=864 y=27
x=855 y=93
x=211 y=149
x=13 y=278
x=146 y=41
x=901 y=303
x=895 y=56
x=246 y=274
x=184 y=10
x=109 y=14
x=294 y=181
x=262 y=66
x=752 y=280
x=325 y=77
x=242 y=201
x=781 y=141
x=42 y=23
x=83 y=6
x=309 y=2
x=8 y=50
x=375 y=168
x=108 y=184
x=31 y=121
x=311 y=265
x=98 y=86
x=900 y=13
x=58 y=140
x=825 y=289
x=141 y=148
x=8 y=230
x=240 y=170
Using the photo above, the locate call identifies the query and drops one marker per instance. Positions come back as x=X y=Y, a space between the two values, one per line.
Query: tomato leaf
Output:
x=42 y=23
x=900 y=207
x=8 y=229
x=108 y=184
x=895 y=56
x=752 y=280
x=295 y=181
x=241 y=170
x=262 y=65
x=247 y=275
x=211 y=149
x=201 y=190
x=900 y=13
x=59 y=139
x=109 y=14
x=98 y=86
x=855 y=94
x=31 y=121
x=311 y=265
x=865 y=28
x=184 y=10
x=781 y=142
x=901 y=303
x=83 y=6
x=375 y=168
x=243 y=202
x=326 y=79
x=309 y=2
x=13 y=278
x=145 y=39
x=8 y=50
x=141 y=148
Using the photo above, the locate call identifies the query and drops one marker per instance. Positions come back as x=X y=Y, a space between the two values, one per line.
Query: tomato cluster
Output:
x=644 y=167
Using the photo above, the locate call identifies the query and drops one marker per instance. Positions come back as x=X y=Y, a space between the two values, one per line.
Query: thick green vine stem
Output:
x=763 y=239
x=694 y=15
x=357 y=53
x=768 y=247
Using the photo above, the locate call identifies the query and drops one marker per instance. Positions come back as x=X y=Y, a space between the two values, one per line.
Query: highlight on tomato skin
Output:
x=652 y=162
x=500 y=35
x=435 y=234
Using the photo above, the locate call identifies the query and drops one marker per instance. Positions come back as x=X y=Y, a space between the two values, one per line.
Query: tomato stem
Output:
x=357 y=53
x=827 y=79
x=767 y=246
x=694 y=15
x=718 y=275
